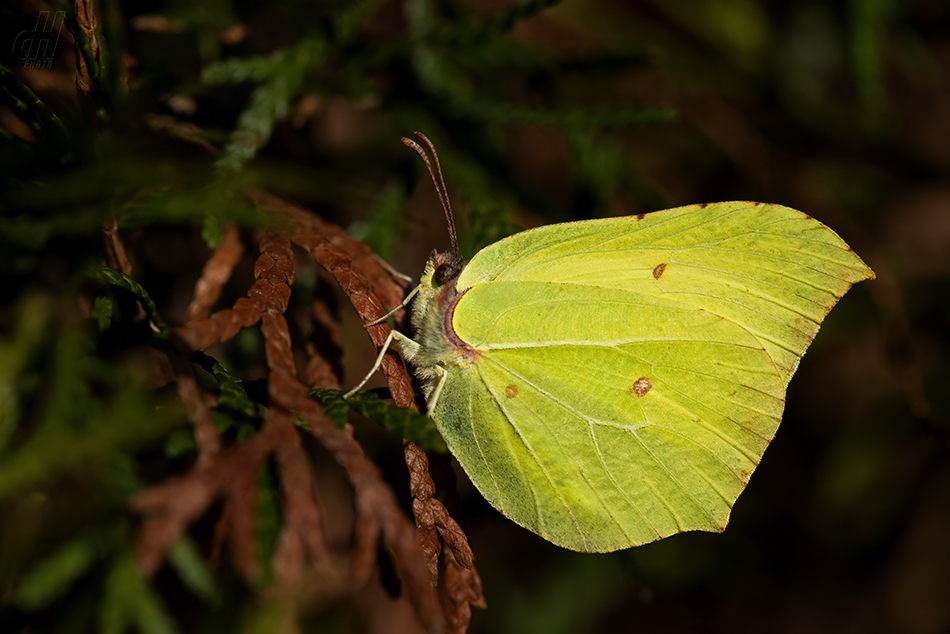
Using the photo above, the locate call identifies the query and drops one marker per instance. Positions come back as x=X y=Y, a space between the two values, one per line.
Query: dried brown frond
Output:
x=207 y=439
x=217 y=271
x=116 y=256
x=170 y=507
x=231 y=474
x=461 y=587
x=86 y=19
x=461 y=591
x=319 y=372
x=368 y=285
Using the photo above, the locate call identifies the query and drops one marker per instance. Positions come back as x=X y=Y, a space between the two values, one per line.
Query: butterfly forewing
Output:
x=773 y=270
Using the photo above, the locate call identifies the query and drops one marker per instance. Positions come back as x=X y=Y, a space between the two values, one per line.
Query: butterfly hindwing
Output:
x=594 y=407
x=773 y=270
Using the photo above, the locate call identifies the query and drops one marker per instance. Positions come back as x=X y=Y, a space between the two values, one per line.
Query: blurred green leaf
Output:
x=16 y=352
x=739 y=27
x=347 y=20
x=867 y=23
x=179 y=442
x=102 y=312
x=188 y=562
x=265 y=616
x=130 y=601
x=569 y=599
x=282 y=75
x=52 y=576
x=121 y=424
x=78 y=424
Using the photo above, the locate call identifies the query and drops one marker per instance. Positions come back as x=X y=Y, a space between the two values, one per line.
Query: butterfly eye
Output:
x=444 y=273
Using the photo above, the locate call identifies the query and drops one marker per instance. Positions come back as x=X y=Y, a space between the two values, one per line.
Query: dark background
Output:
x=541 y=114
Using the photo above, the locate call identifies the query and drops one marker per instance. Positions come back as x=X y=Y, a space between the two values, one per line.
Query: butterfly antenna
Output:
x=437 y=180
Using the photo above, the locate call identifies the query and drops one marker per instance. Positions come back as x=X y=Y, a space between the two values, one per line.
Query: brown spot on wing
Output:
x=511 y=391
x=658 y=270
x=641 y=386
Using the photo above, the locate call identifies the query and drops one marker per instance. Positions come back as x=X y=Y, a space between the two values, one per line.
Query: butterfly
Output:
x=607 y=383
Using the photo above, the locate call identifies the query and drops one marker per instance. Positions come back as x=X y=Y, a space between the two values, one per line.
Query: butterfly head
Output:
x=432 y=311
x=437 y=283
x=445 y=268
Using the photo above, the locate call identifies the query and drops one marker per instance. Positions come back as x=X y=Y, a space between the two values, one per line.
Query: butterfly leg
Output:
x=403 y=304
x=379 y=361
x=443 y=374
x=406 y=346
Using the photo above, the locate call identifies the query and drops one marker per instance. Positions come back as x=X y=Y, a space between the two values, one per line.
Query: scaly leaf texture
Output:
x=402 y=421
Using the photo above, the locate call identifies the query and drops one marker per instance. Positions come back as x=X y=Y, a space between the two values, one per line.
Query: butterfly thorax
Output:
x=432 y=311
